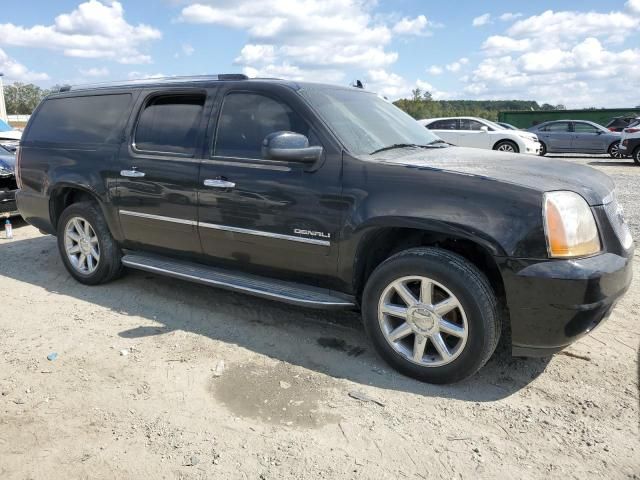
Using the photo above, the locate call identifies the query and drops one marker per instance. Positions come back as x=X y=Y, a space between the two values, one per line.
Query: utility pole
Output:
x=3 y=107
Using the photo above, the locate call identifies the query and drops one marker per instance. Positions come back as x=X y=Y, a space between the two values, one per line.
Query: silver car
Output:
x=576 y=136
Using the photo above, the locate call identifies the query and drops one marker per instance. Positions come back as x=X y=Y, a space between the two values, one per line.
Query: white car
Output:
x=480 y=133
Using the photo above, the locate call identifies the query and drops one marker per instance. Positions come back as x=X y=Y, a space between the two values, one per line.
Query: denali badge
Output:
x=311 y=233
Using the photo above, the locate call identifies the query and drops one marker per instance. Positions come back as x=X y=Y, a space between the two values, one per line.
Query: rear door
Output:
x=557 y=136
x=274 y=217
x=588 y=138
x=447 y=129
x=158 y=168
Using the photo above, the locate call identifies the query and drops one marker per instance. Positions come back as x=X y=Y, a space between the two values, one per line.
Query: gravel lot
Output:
x=157 y=378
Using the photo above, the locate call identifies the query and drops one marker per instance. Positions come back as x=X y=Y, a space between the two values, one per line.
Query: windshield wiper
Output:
x=397 y=145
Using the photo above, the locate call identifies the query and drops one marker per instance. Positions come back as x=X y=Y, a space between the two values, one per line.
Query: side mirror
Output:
x=289 y=147
x=484 y=129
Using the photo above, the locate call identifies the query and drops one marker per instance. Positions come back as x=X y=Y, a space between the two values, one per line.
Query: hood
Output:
x=527 y=135
x=7 y=164
x=536 y=173
x=11 y=135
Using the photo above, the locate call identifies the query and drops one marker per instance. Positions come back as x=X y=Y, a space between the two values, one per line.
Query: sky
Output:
x=579 y=54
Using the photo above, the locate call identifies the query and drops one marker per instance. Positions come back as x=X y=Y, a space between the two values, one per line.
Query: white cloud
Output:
x=188 y=49
x=633 y=6
x=509 y=16
x=17 y=72
x=94 y=72
x=500 y=44
x=144 y=76
x=481 y=20
x=93 y=30
x=457 y=65
x=434 y=70
x=409 y=26
x=311 y=39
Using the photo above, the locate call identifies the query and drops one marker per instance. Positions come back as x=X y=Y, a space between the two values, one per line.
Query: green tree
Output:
x=22 y=99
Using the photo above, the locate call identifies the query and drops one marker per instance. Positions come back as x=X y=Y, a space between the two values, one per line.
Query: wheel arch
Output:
x=64 y=194
x=507 y=140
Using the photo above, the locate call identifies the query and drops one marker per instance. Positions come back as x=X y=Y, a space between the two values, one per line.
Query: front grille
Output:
x=616 y=217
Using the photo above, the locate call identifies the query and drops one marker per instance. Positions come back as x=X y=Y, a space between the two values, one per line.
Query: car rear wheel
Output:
x=506 y=146
x=431 y=315
x=543 y=149
x=88 y=251
x=614 y=150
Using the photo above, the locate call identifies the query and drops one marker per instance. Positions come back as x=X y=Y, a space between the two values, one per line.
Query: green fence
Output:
x=526 y=119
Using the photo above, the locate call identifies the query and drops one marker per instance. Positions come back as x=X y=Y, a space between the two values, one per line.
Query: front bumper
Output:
x=553 y=303
x=7 y=202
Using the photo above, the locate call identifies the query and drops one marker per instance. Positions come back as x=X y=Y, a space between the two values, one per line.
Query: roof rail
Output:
x=157 y=80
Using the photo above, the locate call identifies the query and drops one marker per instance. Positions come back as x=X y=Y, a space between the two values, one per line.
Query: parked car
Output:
x=8 y=184
x=576 y=136
x=507 y=126
x=9 y=136
x=617 y=124
x=480 y=133
x=630 y=142
x=327 y=197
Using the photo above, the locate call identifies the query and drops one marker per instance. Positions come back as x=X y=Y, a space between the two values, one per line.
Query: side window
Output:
x=557 y=127
x=93 y=119
x=580 y=127
x=170 y=124
x=247 y=118
x=468 y=124
x=450 y=124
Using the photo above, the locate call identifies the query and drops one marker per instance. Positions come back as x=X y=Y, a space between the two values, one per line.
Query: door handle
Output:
x=218 y=183
x=131 y=173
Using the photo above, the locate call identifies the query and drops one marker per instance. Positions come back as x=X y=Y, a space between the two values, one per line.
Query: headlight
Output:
x=569 y=225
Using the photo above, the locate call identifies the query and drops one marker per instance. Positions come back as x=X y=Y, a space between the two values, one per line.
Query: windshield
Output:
x=365 y=122
x=4 y=126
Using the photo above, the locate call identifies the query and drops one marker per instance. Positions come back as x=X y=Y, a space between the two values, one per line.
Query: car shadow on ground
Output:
x=329 y=342
x=613 y=163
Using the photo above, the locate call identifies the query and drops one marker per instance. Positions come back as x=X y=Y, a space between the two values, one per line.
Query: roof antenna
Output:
x=357 y=84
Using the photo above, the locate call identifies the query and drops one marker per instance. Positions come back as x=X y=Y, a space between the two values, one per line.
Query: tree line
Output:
x=422 y=105
x=23 y=98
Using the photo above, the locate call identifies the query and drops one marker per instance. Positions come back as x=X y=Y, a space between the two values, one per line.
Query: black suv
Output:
x=327 y=197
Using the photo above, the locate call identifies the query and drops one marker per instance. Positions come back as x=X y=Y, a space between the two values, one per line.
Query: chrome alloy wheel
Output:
x=506 y=147
x=81 y=244
x=423 y=321
x=614 y=151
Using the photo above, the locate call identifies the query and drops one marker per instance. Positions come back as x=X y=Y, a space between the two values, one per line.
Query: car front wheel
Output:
x=614 y=150
x=431 y=315
x=507 y=146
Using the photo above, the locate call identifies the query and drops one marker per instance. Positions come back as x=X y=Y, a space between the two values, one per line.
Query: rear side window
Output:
x=556 y=127
x=451 y=124
x=170 y=124
x=80 y=120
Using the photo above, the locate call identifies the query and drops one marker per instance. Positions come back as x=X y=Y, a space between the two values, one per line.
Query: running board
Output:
x=279 y=290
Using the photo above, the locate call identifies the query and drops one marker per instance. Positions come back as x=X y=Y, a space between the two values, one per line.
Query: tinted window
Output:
x=584 y=128
x=79 y=120
x=451 y=124
x=466 y=124
x=556 y=127
x=247 y=118
x=170 y=124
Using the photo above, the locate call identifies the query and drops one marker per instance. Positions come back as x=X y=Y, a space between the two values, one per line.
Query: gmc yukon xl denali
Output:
x=327 y=197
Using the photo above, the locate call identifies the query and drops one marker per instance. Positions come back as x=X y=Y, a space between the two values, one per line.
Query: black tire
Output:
x=466 y=282
x=543 y=149
x=109 y=265
x=613 y=150
x=506 y=143
x=636 y=155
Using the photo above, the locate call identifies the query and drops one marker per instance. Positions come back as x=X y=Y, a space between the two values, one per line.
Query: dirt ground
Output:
x=156 y=378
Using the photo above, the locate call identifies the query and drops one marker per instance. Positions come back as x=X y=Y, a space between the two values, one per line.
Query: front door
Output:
x=273 y=217
x=158 y=182
x=587 y=138
x=472 y=135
